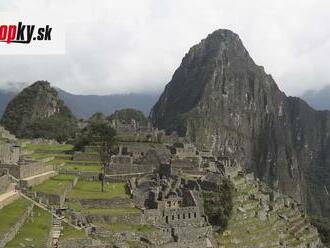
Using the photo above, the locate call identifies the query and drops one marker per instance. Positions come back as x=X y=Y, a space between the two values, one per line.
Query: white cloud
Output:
x=134 y=46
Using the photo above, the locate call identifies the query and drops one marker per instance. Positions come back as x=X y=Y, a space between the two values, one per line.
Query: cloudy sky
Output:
x=135 y=46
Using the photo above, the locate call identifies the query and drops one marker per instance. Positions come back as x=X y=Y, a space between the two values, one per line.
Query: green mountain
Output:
x=126 y=115
x=37 y=112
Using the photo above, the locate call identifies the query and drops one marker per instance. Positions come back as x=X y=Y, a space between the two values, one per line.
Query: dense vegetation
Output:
x=218 y=205
x=37 y=112
x=97 y=131
x=126 y=115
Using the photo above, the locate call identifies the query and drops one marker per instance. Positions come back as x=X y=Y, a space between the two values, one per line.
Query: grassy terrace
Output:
x=46 y=147
x=55 y=185
x=111 y=211
x=58 y=161
x=77 y=167
x=46 y=151
x=11 y=213
x=71 y=233
x=35 y=231
x=84 y=162
x=48 y=155
x=91 y=190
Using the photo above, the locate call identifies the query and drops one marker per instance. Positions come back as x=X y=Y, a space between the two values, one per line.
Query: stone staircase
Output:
x=257 y=222
x=55 y=232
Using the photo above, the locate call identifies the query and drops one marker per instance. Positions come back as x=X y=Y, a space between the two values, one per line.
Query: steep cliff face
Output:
x=221 y=100
x=37 y=111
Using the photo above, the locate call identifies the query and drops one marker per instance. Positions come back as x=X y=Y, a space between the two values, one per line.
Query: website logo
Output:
x=31 y=35
x=21 y=33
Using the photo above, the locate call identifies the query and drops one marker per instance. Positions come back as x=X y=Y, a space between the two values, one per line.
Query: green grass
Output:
x=45 y=147
x=86 y=161
x=92 y=190
x=71 y=233
x=57 y=161
x=73 y=167
x=11 y=213
x=75 y=204
x=111 y=211
x=49 y=155
x=82 y=162
x=36 y=228
x=120 y=227
x=55 y=185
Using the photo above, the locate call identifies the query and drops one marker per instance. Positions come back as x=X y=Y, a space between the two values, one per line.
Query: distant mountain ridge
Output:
x=5 y=97
x=84 y=106
x=318 y=99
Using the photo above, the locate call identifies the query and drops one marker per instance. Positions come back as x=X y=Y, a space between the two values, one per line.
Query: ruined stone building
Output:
x=170 y=205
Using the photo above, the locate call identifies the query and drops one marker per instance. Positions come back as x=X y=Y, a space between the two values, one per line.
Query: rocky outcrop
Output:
x=37 y=112
x=221 y=100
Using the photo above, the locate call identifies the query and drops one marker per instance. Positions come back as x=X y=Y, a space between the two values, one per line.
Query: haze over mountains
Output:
x=318 y=99
x=84 y=106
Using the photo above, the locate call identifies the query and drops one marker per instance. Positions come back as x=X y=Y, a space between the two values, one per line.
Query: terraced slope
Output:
x=260 y=219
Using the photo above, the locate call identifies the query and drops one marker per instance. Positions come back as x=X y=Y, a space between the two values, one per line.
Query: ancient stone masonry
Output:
x=27 y=168
x=9 y=153
x=4 y=183
x=171 y=206
x=132 y=130
x=137 y=157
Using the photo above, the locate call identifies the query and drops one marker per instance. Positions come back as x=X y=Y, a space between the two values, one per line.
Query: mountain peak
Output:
x=222 y=101
x=37 y=111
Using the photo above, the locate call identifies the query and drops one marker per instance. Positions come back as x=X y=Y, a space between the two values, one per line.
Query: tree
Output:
x=218 y=205
x=98 y=133
x=104 y=135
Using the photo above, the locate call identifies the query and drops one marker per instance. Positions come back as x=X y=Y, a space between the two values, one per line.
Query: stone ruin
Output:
x=171 y=205
x=137 y=157
x=9 y=153
x=136 y=131
x=28 y=172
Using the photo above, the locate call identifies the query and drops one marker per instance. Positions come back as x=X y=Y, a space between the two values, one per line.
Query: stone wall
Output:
x=4 y=183
x=53 y=199
x=132 y=218
x=191 y=233
x=88 y=175
x=78 y=243
x=12 y=231
x=86 y=156
x=157 y=237
x=27 y=168
x=37 y=180
x=9 y=200
x=123 y=178
x=129 y=169
x=115 y=202
x=9 y=153
x=181 y=216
